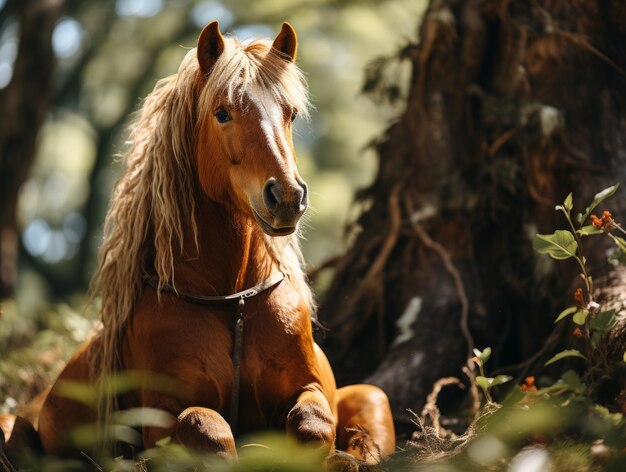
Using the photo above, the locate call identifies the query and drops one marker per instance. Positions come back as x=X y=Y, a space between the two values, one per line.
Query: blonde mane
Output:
x=154 y=199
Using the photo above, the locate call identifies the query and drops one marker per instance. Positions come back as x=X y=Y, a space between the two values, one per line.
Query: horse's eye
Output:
x=294 y=114
x=222 y=116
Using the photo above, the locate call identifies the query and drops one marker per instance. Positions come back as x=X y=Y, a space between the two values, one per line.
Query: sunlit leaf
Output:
x=486 y=354
x=500 y=379
x=560 y=245
x=624 y=358
x=599 y=198
x=580 y=316
x=482 y=382
x=568 y=204
x=80 y=392
x=589 y=230
x=564 y=354
x=603 y=320
x=487 y=382
x=566 y=312
x=142 y=417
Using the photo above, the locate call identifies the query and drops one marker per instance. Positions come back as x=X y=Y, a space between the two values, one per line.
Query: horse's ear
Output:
x=286 y=43
x=210 y=46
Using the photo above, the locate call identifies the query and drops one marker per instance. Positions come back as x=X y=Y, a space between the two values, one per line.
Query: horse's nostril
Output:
x=303 y=195
x=272 y=194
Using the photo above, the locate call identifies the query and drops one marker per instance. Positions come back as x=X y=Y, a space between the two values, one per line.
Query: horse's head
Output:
x=251 y=94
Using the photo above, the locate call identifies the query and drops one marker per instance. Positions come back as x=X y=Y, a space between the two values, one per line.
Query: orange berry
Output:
x=577 y=333
x=596 y=222
x=529 y=385
x=578 y=295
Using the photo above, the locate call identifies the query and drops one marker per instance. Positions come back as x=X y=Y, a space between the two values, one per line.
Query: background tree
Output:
x=23 y=104
x=511 y=106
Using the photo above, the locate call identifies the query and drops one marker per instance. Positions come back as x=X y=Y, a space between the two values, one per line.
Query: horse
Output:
x=200 y=271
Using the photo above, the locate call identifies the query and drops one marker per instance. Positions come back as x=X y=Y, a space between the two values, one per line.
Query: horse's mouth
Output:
x=269 y=229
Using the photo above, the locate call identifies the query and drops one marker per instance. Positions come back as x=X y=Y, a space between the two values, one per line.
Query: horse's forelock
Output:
x=243 y=67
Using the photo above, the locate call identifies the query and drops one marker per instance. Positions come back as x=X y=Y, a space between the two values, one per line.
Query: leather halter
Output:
x=239 y=299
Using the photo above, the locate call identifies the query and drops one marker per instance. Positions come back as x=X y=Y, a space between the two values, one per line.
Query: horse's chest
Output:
x=276 y=361
x=195 y=346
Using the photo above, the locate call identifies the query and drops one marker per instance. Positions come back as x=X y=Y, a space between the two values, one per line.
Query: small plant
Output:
x=591 y=319
x=484 y=382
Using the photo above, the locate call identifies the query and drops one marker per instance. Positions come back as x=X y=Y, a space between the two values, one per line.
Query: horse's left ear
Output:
x=286 y=43
x=210 y=46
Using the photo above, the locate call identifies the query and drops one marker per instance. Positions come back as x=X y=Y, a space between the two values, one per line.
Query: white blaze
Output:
x=271 y=123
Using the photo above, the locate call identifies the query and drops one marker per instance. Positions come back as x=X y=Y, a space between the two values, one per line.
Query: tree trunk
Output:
x=24 y=107
x=511 y=106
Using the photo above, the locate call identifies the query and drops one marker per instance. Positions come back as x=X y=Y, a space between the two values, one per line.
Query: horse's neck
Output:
x=230 y=254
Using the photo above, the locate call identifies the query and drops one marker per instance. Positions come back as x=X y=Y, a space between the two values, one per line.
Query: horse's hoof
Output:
x=340 y=461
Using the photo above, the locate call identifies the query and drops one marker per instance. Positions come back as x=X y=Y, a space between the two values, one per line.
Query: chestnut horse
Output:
x=209 y=206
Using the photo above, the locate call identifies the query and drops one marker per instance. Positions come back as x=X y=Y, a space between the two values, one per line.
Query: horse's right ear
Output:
x=210 y=46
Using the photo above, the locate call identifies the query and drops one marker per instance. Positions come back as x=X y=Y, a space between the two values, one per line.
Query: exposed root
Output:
x=431 y=410
x=452 y=270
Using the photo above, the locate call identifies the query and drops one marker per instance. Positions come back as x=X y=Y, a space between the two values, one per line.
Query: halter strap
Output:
x=214 y=300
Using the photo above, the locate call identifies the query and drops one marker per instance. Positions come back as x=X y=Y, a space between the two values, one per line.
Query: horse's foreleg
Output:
x=201 y=429
x=365 y=429
x=311 y=420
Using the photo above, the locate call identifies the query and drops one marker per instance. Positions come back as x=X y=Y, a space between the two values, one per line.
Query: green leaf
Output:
x=589 y=230
x=561 y=245
x=500 y=379
x=596 y=337
x=483 y=382
x=166 y=441
x=143 y=417
x=621 y=242
x=572 y=379
x=563 y=355
x=580 y=316
x=624 y=356
x=484 y=355
x=603 y=320
x=488 y=382
x=513 y=397
x=599 y=198
x=568 y=204
x=566 y=312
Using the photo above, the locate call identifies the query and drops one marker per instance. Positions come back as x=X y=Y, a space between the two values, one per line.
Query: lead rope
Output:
x=237 y=354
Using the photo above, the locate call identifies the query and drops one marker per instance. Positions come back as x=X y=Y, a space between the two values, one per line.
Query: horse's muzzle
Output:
x=284 y=205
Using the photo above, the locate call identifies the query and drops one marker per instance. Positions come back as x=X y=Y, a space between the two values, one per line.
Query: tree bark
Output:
x=24 y=108
x=511 y=106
